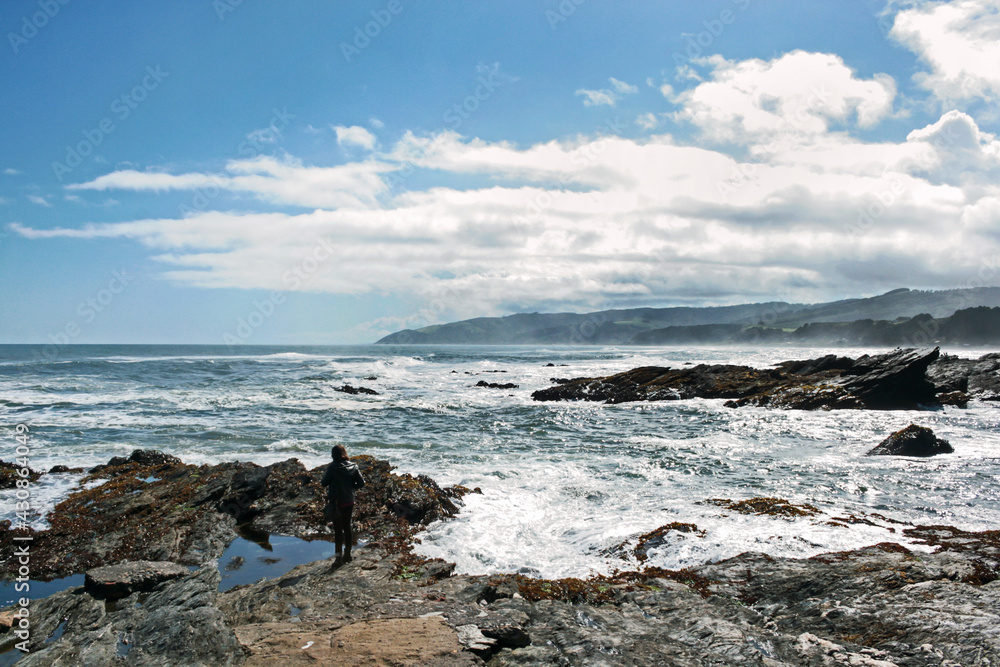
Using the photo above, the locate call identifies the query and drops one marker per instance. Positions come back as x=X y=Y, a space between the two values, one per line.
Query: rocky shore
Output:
x=902 y=379
x=150 y=534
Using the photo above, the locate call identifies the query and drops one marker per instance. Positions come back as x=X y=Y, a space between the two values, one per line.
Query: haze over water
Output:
x=561 y=482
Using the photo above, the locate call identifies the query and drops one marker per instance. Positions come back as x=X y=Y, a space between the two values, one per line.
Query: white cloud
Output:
x=41 y=201
x=595 y=98
x=590 y=221
x=623 y=88
x=285 y=181
x=957 y=151
x=354 y=136
x=960 y=43
x=807 y=211
x=607 y=96
x=798 y=95
x=309 y=129
x=376 y=123
x=12 y=172
x=647 y=121
x=264 y=135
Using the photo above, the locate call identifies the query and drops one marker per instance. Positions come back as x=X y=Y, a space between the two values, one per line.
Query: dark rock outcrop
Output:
x=496 y=385
x=349 y=389
x=177 y=624
x=896 y=380
x=155 y=507
x=141 y=457
x=10 y=473
x=912 y=441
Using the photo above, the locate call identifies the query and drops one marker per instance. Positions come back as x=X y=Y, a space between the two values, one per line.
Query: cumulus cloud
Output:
x=586 y=222
x=802 y=209
x=957 y=152
x=959 y=42
x=354 y=136
x=39 y=200
x=795 y=96
x=11 y=171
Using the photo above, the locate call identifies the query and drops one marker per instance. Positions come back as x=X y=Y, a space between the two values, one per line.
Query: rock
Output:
x=112 y=582
x=896 y=380
x=139 y=457
x=188 y=514
x=10 y=473
x=655 y=539
x=912 y=441
x=496 y=385
x=62 y=469
x=472 y=638
x=348 y=389
x=178 y=624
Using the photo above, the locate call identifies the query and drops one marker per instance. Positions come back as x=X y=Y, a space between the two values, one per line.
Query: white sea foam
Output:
x=561 y=482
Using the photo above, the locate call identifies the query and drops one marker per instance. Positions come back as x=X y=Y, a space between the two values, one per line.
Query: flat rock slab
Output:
x=423 y=642
x=113 y=582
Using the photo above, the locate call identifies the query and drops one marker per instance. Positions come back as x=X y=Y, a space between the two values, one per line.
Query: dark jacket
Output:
x=342 y=479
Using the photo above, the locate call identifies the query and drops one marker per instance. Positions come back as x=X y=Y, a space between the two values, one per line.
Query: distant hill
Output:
x=759 y=322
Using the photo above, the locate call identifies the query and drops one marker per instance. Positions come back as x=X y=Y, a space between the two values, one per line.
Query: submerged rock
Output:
x=348 y=389
x=912 y=441
x=496 y=385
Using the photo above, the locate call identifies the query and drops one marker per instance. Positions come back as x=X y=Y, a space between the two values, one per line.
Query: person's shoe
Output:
x=347 y=557
x=337 y=562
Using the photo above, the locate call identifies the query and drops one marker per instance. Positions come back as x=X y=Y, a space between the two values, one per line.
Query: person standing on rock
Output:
x=341 y=479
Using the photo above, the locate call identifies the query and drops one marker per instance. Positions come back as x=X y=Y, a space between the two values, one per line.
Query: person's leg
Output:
x=338 y=535
x=346 y=514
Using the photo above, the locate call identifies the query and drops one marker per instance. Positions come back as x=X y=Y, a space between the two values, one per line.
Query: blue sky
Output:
x=213 y=172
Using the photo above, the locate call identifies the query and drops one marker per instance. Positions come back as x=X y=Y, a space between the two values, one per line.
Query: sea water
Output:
x=562 y=483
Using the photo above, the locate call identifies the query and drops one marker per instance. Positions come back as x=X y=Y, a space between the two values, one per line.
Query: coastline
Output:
x=879 y=605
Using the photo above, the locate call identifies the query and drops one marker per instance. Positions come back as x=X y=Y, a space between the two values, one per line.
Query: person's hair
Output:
x=339 y=453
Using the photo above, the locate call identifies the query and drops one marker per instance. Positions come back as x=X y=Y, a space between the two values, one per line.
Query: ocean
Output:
x=562 y=483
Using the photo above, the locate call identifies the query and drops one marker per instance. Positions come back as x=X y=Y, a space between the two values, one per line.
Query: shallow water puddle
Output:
x=258 y=556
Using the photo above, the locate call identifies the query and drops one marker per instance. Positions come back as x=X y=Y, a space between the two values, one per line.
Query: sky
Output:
x=309 y=172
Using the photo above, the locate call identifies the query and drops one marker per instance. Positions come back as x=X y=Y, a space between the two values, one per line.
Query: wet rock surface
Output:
x=912 y=441
x=113 y=582
x=154 y=507
x=903 y=379
x=881 y=605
